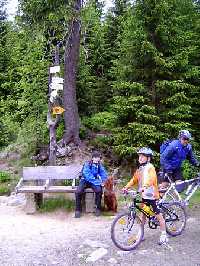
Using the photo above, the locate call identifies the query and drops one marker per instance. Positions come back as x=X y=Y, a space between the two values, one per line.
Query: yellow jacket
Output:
x=146 y=179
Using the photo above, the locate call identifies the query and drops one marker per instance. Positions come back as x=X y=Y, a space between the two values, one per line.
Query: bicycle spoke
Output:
x=126 y=231
x=175 y=218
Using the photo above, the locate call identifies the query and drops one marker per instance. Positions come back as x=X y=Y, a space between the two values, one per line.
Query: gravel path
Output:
x=59 y=239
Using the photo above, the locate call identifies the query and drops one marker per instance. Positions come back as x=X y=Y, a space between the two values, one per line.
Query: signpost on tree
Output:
x=54 y=105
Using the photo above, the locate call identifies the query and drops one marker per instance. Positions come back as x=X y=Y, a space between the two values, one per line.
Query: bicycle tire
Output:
x=130 y=224
x=175 y=218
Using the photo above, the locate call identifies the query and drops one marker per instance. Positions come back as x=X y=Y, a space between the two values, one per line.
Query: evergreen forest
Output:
x=131 y=74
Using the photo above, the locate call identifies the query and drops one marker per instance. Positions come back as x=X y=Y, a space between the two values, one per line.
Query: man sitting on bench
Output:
x=93 y=176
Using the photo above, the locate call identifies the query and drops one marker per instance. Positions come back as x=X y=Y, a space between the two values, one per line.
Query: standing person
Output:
x=146 y=179
x=174 y=154
x=93 y=175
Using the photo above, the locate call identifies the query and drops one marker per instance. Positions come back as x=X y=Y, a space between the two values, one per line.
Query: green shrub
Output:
x=101 y=142
x=101 y=121
x=4 y=177
x=188 y=170
x=4 y=189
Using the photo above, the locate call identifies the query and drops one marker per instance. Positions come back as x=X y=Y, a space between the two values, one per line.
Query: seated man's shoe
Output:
x=77 y=214
x=97 y=212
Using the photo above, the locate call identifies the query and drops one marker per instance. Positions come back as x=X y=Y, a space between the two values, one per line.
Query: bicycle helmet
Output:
x=146 y=151
x=185 y=134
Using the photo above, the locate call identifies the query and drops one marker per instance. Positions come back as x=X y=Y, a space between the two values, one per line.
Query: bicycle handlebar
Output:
x=131 y=192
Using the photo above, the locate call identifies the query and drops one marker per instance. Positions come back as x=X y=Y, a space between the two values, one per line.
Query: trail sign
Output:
x=54 y=69
x=57 y=110
x=56 y=86
x=57 y=80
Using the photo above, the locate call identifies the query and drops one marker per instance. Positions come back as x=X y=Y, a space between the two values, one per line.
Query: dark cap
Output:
x=96 y=154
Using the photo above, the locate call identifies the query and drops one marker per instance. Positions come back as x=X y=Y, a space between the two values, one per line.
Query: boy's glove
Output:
x=125 y=190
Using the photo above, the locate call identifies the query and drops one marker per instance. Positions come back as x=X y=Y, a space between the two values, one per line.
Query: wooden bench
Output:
x=49 y=179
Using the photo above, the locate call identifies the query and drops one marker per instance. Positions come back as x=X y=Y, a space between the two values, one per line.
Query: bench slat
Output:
x=61 y=189
x=68 y=189
x=52 y=172
x=31 y=189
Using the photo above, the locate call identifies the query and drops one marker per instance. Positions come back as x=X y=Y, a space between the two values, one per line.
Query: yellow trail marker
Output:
x=57 y=110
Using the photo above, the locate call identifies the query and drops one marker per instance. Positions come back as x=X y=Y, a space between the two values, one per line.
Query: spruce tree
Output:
x=153 y=96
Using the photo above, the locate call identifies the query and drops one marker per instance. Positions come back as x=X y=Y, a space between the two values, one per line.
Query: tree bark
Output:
x=71 y=116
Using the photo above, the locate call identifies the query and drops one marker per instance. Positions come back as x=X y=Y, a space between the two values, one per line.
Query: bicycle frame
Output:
x=152 y=220
x=171 y=190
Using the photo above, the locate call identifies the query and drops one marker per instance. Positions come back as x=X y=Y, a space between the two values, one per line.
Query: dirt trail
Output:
x=58 y=239
x=47 y=239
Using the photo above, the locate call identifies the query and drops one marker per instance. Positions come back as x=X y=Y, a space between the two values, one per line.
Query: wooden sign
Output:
x=54 y=69
x=57 y=110
x=56 y=86
x=57 y=80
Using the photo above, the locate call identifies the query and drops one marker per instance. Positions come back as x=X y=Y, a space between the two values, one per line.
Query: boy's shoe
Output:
x=163 y=239
x=97 y=212
x=77 y=214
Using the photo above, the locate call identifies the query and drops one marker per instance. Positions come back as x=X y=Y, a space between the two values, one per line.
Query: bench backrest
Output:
x=52 y=172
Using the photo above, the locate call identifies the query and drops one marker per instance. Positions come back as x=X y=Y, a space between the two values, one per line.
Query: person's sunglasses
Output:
x=186 y=139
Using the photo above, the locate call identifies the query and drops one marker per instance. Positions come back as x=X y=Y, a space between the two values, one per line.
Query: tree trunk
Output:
x=71 y=115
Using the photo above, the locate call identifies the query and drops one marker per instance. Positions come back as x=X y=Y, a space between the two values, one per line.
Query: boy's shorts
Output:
x=153 y=204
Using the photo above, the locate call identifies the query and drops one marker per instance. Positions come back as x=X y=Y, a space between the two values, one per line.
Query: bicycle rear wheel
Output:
x=127 y=231
x=175 y=218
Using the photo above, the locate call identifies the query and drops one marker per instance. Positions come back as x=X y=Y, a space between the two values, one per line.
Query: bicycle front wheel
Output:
x=175 y=218
x=127 y=231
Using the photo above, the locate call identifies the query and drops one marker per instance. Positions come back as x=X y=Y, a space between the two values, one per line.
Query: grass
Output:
x=52 y=204
x=195 y=199
x=4 y=189
x=4 y=177
x=8 y=181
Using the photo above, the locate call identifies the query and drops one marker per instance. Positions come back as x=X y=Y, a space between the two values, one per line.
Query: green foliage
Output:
x=4 y=189
x=195 y=199
x=101 y=121
x=152 y=97
x=4 y=177
x=138 y=81
x=92 y=87
x=101 y=142
x=52 y=204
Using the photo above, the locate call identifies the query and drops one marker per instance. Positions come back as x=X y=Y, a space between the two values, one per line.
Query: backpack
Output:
x=90 y=166
x=164 y=145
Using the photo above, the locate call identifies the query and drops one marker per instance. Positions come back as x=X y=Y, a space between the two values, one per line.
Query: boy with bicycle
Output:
x=146 y=179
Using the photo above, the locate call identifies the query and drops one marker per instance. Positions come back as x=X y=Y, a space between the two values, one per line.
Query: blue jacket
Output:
x=174 y=154
x=94 y=173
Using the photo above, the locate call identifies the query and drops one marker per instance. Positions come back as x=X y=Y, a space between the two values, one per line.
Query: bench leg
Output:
x=89 y=202
x=30 y=206
x=38 y=197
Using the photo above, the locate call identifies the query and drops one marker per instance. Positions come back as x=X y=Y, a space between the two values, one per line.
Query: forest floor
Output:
x=58 y=238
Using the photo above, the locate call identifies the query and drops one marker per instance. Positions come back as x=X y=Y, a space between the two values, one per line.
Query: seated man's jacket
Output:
x=94 y=173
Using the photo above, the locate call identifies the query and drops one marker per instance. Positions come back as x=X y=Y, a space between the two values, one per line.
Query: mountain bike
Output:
x=171 y=192
x=127 y=230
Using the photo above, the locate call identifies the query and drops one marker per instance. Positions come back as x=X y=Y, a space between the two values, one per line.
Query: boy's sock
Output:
x=163 y=238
